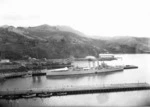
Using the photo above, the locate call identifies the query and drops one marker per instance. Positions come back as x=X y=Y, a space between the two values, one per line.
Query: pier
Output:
x=12 y=75
x=71 y=90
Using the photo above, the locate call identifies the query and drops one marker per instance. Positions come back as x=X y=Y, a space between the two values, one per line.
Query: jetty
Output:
x=72 y=90
x=12 y=75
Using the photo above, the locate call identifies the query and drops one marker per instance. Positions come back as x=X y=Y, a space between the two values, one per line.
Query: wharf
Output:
x=12 y=75
x=72 y=90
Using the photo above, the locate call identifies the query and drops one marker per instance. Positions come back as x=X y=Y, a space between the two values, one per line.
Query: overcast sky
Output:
x=92 y=17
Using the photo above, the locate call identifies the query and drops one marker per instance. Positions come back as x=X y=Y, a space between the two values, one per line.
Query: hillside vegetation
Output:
x=62 y=42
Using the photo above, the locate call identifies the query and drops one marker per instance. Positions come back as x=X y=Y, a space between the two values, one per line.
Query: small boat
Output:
x=45 y=95
x=130 y=67
x=10 y=97
x=29 y=95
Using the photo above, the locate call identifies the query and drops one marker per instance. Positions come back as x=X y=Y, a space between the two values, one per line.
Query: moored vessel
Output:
x=130 y=67
x=103 y=68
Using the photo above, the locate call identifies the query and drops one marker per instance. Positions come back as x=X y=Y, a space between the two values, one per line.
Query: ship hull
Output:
x=83 y=72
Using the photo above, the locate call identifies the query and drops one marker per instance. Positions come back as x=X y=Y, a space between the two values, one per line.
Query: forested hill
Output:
x=62 y=42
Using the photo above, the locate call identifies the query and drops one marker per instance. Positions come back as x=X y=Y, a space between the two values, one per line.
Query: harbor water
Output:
x=133 y=98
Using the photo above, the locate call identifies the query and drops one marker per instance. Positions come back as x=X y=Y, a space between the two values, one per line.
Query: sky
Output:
x=91 y=17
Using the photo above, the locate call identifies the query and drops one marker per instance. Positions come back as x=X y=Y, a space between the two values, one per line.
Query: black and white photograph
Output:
x=83 y=53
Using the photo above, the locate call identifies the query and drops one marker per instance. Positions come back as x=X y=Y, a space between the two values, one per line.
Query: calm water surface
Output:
x=134 y=98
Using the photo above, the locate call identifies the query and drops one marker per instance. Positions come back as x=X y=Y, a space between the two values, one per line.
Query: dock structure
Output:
x=72 y=90
x=12 y=75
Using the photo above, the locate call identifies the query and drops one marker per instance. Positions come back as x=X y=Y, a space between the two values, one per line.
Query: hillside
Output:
x=62 y=42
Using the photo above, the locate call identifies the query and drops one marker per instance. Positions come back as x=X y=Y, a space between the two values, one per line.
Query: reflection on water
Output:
x=135 y=98
x=75 y=77
x=36 y=79
x=102 y=98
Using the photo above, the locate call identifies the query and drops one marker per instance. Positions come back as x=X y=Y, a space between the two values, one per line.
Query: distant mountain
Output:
x=137 y=45
x=46 y=41
x=69 y=29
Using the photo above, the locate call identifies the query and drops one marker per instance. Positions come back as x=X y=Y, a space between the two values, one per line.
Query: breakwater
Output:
x=72 y=90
